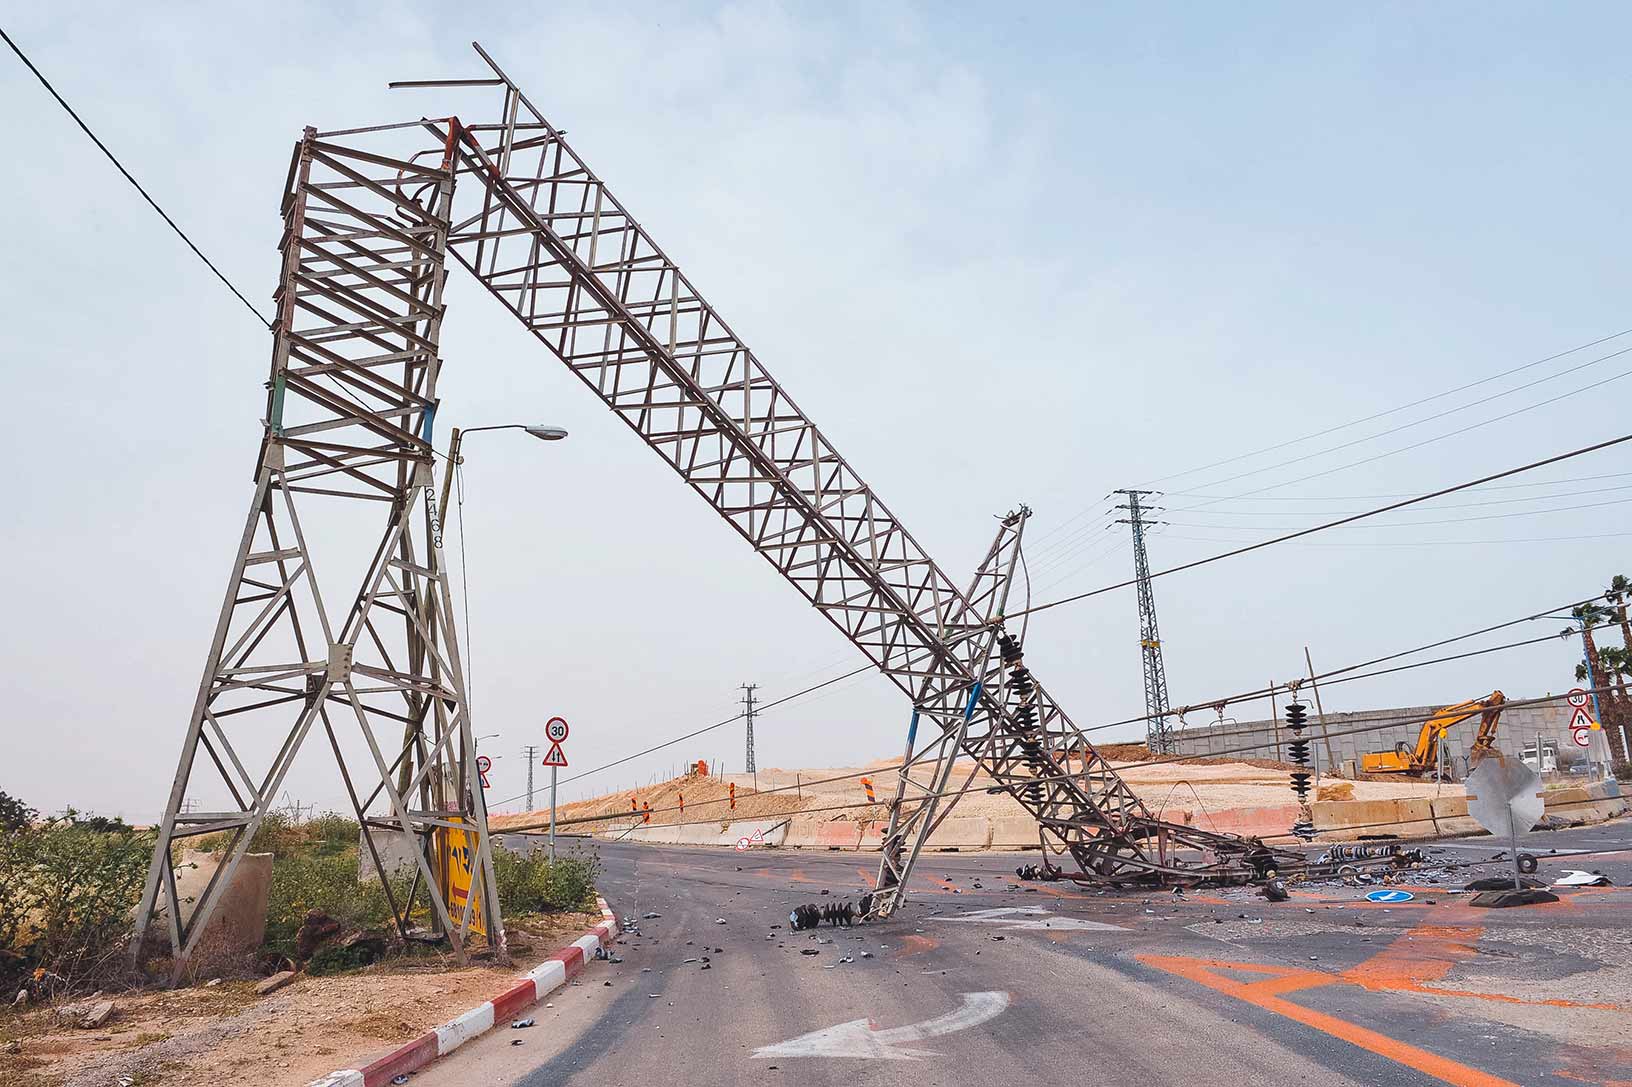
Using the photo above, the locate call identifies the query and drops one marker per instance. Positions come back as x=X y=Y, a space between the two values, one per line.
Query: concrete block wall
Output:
x=1267 y=739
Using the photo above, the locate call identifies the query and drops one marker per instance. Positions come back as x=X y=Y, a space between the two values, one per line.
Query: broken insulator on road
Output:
x=1298 y=754
x=835 y=913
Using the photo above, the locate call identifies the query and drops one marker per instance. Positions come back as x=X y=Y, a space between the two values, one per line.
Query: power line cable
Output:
x=1331 y=675
x=1374 y=726
x=1338 y=523
x=1392 y=411
x=705 y=729
x=137 y=184
x=1447 y=506
x=1414 y=524
x=1435 y=438
x=1175 y=569
x=1435 y=416
x=1395 y=494
x=1430 y=543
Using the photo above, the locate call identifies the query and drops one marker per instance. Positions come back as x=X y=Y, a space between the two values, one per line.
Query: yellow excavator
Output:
x=1424 y=758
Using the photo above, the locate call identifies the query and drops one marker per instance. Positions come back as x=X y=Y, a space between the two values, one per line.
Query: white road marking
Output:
x=859 y=1038
x=1031 y=917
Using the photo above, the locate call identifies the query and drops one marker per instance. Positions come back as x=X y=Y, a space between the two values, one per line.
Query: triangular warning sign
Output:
x=555 y=756
x=1582 y=719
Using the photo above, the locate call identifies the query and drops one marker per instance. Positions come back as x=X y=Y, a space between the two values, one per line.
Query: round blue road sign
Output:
x=1389 y=896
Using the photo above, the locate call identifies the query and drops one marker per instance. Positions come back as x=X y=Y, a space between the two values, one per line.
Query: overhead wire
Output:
x=1394 y=410
x=1394 y=494
x=1415 y=524
x=1246 y=549
x=1436 y=438
x=1430 y=543
x=1432 y=418
x=154 y=204
x=1032 y=608
x=1330 y=676
x=1446 y=506
x=1161 y=760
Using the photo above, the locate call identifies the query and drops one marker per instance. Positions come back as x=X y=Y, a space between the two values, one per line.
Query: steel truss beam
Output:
x=346 y=443
x=351 y=402
x=545 y=235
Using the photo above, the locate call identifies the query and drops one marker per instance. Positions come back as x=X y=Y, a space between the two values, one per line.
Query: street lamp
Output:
x=542 y=431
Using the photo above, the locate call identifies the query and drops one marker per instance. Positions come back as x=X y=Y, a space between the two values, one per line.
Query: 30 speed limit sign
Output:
x=556 y=729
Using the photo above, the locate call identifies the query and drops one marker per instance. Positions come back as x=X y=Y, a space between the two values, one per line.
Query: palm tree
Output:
x=1617 y=595
x=1612 y=703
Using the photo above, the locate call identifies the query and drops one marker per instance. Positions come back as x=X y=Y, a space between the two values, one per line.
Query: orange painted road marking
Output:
x=1262 y=994
x=1427 y=953
x=917 y=945
x=867 y=878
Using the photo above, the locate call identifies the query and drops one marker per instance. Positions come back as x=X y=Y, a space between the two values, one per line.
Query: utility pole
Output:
x=748 y=701
x=1158 y=736
x=530 y=753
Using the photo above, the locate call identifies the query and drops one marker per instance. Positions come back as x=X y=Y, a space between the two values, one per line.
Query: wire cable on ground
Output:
x=182 y=234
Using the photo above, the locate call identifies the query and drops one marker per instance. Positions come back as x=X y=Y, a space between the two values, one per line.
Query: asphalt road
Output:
x=984 y=979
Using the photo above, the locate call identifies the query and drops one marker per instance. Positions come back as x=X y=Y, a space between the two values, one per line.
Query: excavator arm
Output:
x=1424 y=756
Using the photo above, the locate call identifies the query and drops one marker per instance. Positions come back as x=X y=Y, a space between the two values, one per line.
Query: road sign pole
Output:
x=553 y=771
x=1513 y=835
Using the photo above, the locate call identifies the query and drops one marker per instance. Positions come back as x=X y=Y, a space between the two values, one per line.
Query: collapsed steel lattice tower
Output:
x=512 y=202
x=1158 y=734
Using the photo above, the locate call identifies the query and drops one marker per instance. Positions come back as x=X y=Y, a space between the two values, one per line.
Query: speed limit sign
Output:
x=556 y=729
x=1576 y=697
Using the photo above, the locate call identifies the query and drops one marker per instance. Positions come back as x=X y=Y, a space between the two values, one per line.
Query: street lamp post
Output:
x=456 y=440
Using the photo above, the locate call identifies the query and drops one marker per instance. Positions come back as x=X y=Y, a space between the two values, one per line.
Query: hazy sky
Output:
x=998 y=257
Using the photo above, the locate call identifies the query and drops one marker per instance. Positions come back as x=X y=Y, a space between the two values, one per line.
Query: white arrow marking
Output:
x=859 y=1038
x=1030 y=917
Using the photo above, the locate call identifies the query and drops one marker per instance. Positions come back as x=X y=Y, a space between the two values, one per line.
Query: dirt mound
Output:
x=1141 y=753
x=704 y=799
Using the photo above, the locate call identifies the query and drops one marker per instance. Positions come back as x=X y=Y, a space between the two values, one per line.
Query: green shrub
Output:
x=307 y=879
x=531 y=884
x=69 y=889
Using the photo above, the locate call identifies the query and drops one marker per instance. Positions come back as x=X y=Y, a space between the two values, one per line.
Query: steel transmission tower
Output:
x=748 y=713
x=367 y=657
x=1158 y=736
x=530 y=753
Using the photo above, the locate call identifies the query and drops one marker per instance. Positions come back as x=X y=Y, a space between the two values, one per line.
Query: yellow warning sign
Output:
x=458 y=848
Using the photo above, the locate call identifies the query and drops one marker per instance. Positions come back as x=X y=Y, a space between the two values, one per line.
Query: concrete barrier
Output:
x=1270 y=821
x=712 y=834
x=969 y=832
x=237 y=925
x=801 y=834
x=1347 y=820
x=841 y=834
x=1014 y=832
